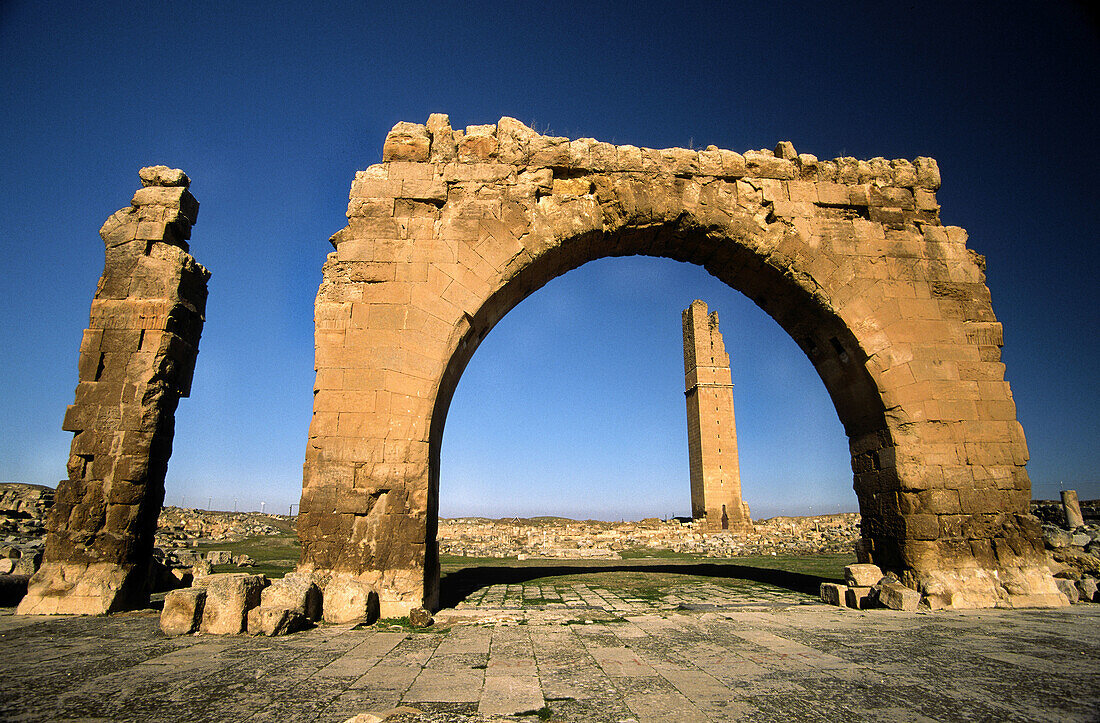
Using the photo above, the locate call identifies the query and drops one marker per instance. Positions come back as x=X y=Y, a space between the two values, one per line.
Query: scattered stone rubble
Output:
x=1071 y=535
x=234 y=603
x=182 y=527
x=1073 y=541
x=561 y=538
x=23 y=509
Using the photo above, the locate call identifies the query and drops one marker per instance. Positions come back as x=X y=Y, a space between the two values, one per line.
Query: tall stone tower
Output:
x=712 y=434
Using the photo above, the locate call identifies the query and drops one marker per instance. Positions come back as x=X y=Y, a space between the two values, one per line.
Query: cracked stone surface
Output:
x=609 y=661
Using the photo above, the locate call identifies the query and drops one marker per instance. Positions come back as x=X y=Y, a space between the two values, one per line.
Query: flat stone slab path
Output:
x=803 y=662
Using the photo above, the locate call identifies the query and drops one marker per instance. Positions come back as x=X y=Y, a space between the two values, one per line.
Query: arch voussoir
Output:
x=454 y=228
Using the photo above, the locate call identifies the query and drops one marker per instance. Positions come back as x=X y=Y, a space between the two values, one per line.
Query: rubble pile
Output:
x=1071 y=534
x=181 y=527
x=556 y=537
x=23 y=509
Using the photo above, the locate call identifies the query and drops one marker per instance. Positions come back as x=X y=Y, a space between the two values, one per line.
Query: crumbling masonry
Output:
x=712 y=432
x=136 y=361
x=449 y=233
x=454 y=228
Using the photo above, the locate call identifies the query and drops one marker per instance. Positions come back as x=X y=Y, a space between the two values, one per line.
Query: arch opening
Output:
x=821 y=335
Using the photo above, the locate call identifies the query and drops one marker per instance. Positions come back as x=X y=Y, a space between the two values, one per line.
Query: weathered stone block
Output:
x=183 y=611
x=406 y=142
x=896 y=596
x=347 y=599
x=420 y=618
x=861 y=598
x=1069 y=589
x=296 y=591
x=862 y=575
x=229 y=597
x=834 y=594
x=272 y=621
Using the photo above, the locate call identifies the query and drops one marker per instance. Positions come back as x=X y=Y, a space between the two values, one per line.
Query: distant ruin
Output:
x=716 y=502
x=136 y=360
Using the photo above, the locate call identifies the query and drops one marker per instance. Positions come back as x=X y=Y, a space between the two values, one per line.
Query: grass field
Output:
x=643 y=577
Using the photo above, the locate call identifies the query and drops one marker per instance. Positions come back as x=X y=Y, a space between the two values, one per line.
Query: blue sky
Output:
x=272 y=108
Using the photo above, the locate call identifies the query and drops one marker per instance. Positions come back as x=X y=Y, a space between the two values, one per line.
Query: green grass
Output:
x=275 y=555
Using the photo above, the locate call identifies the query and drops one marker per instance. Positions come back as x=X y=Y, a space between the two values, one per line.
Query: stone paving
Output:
x=702 y=652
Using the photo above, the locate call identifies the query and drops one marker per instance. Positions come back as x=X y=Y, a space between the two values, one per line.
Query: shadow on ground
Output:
x=455 y=586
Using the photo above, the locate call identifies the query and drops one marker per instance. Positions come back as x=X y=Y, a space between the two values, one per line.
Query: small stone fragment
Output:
x=785 y=149
x=420 y=618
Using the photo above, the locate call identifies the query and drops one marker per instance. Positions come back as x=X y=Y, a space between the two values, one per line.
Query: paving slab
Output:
x=631 y=660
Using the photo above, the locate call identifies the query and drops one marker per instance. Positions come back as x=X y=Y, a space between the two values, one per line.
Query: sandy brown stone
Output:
x=847 y=255
x=862 y=575
x=229 y=597
x=136 y=360
x=716 y=500
x=182 y=612
x=833 y=594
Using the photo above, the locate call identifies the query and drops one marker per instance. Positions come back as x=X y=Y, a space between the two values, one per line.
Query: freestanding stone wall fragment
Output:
x=712 y=432
x=136 y=360
x=454 y=228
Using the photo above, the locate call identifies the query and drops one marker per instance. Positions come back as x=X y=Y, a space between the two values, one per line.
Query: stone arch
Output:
x=455 y=228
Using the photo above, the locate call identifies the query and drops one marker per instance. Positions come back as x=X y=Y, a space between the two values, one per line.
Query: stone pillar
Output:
x=1074 y=518
x=712 y=433
x=136 y=360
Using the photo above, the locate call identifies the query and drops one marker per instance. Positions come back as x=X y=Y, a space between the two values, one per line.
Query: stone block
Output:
x=1087 y=587
x=347 y=599
x=183 y=611
x=834 y=594
x=163 y=176
x=406 y=142
x=862 y=575
x=296 y=591
x=1069 y=589
x=229 y=597
x=420 y=618
x=861 y=598
x=1055 y=537
x=274 y=620
x=896 y=596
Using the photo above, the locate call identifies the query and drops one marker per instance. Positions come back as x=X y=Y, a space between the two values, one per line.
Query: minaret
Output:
x=712 y=435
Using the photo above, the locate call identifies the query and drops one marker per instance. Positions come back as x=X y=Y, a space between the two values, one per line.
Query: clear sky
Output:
x=574 y=403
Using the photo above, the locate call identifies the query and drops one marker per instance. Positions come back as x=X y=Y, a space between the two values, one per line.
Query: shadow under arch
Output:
x=456 y=586
x=739 y=252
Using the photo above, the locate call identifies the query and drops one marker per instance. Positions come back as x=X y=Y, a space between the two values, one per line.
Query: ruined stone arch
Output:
x=455 y=228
